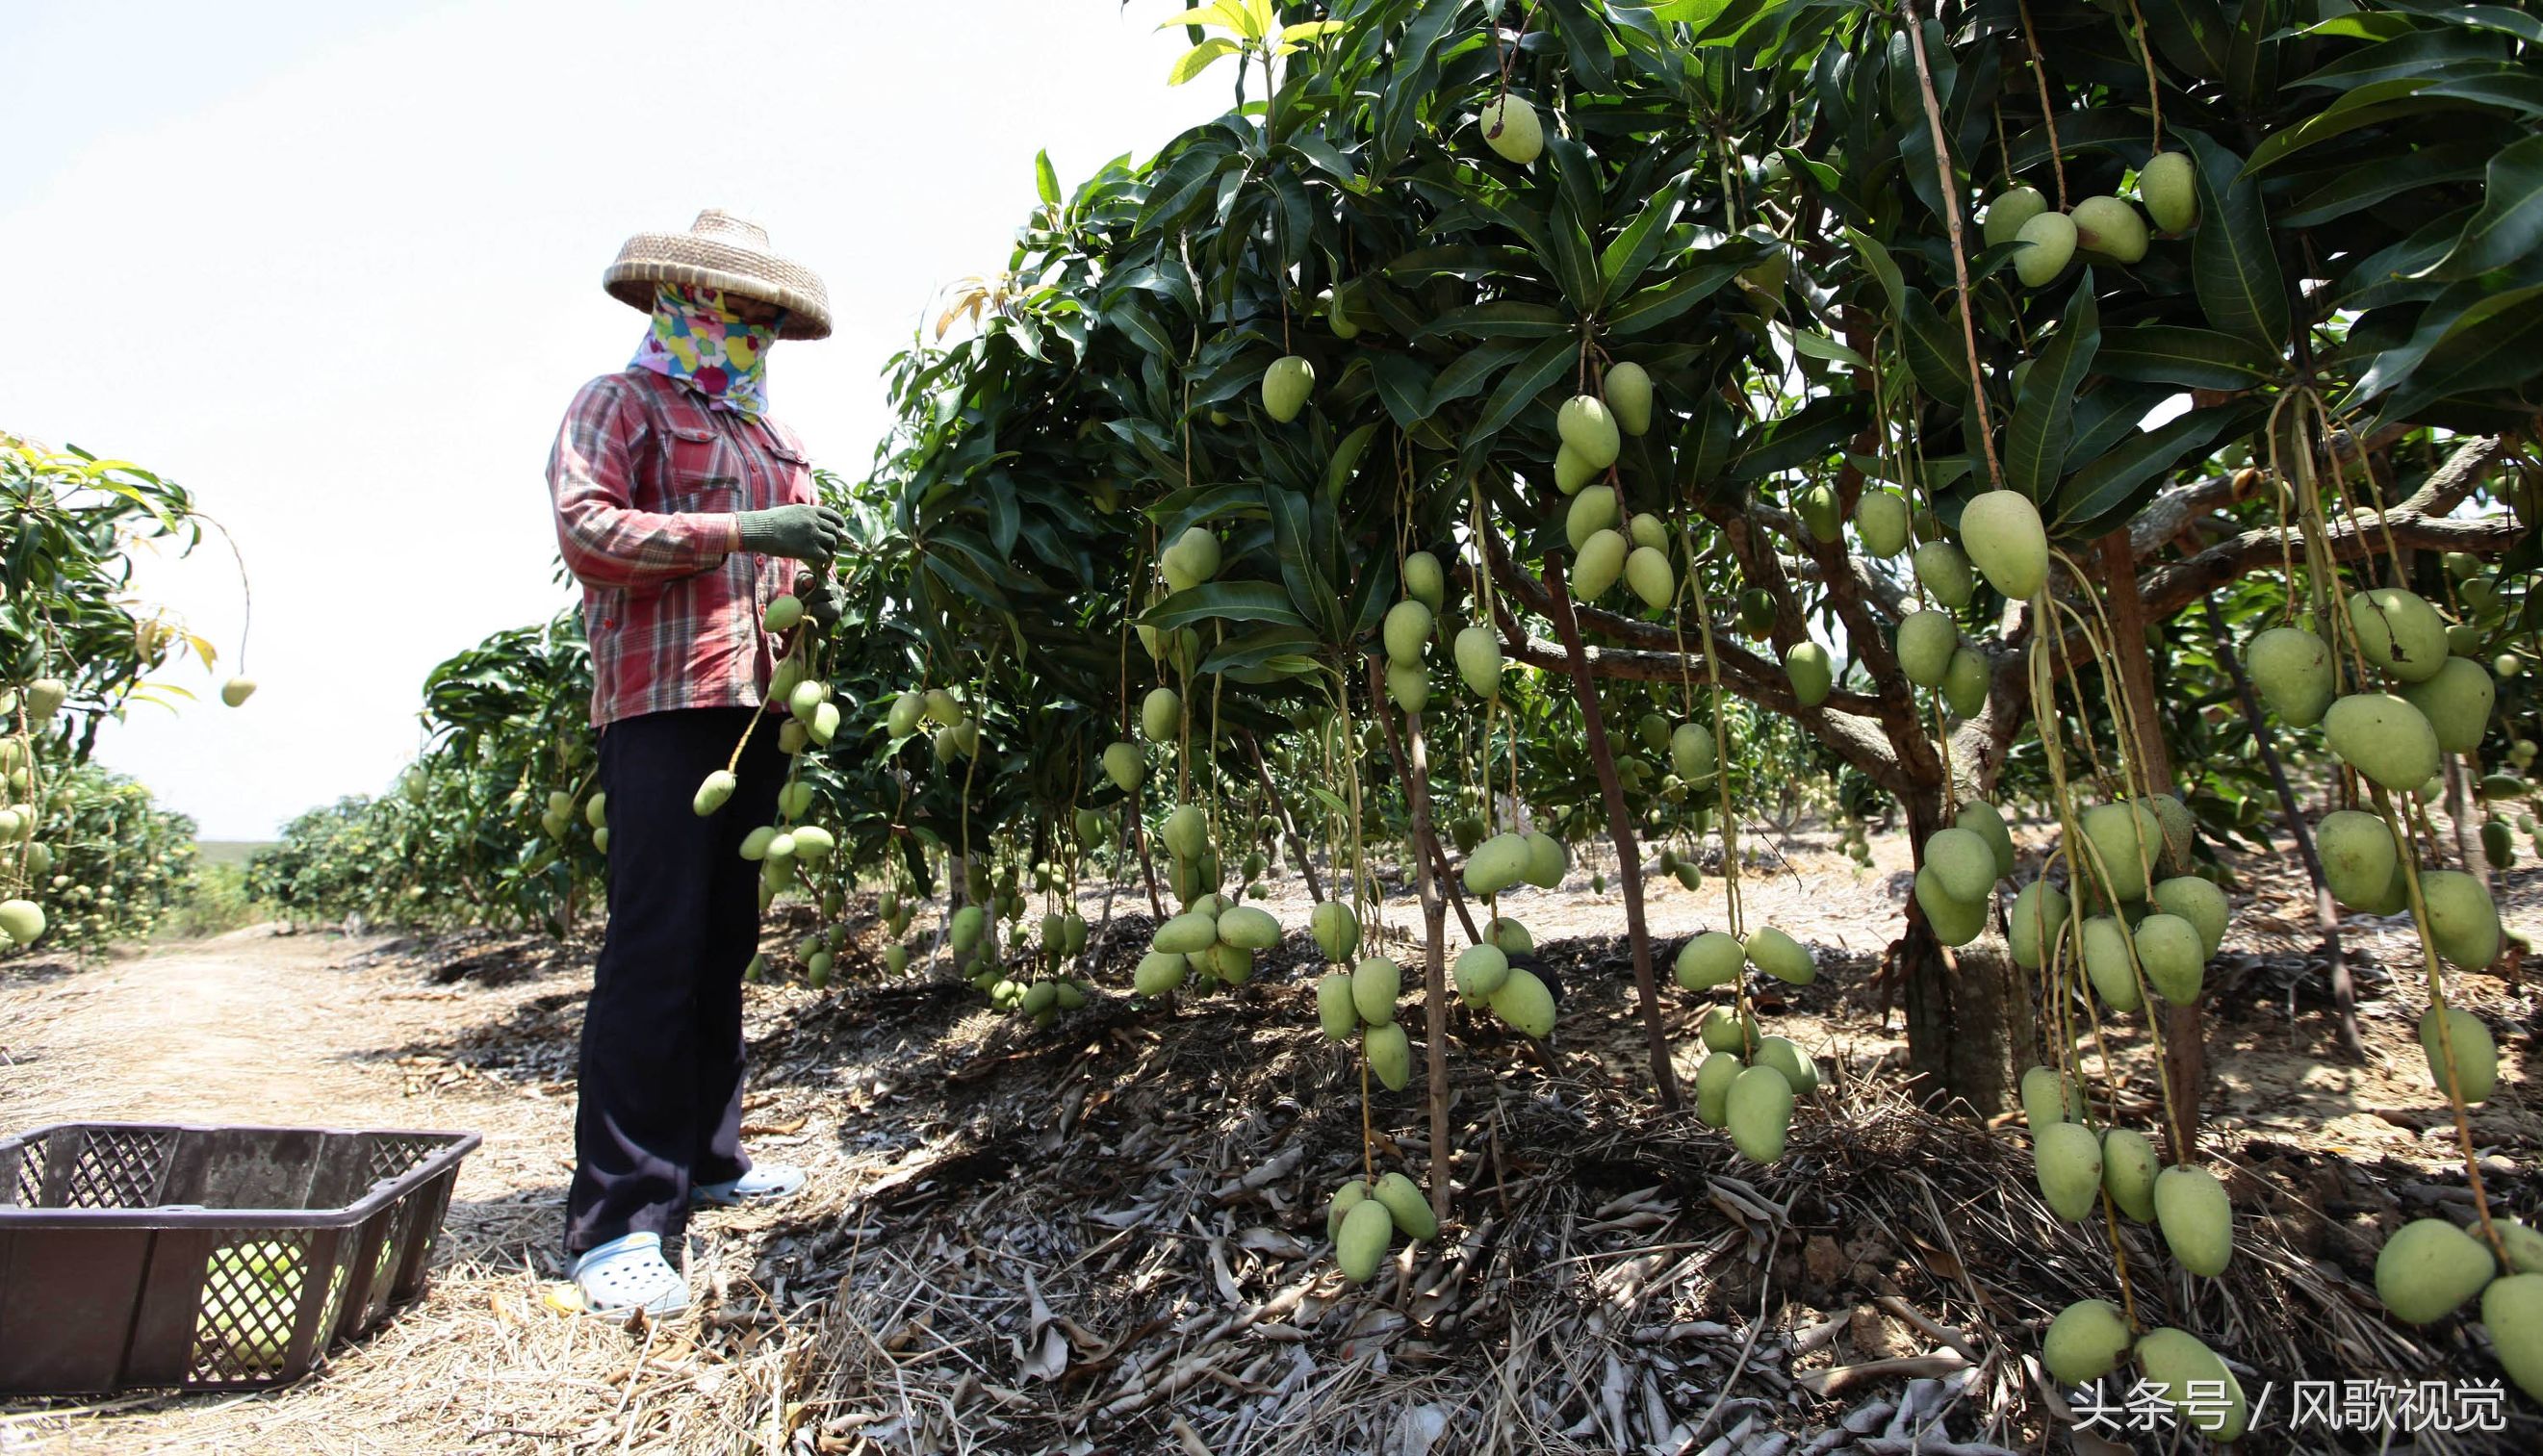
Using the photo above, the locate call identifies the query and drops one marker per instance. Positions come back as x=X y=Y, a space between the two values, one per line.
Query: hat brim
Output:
x=688 y=261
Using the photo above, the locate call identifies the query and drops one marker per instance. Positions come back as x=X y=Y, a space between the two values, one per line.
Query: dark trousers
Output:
x=660 y=1096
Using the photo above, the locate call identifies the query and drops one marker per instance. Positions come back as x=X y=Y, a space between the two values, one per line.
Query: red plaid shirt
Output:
x=646 y=481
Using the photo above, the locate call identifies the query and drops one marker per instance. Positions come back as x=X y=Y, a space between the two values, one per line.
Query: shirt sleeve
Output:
x=604 y=539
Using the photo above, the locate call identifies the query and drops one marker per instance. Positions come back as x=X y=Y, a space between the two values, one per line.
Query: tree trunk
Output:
x=1620 y=823
x=2184 y=1059
x=1289 y=825
x=1434 y=961
x=1137 y=829
x=1971 y=1028
x=1435 y=860
x=2326 y=913
x=2459 y=814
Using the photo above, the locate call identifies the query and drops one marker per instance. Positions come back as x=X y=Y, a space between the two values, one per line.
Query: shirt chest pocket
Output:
x=793 y=483
x=701 y=471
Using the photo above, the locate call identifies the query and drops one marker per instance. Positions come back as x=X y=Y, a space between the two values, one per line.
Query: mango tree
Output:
x=85 y=856
x=1540 y=306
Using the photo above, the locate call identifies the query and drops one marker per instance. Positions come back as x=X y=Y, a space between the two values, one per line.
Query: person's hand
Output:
x=823 y=599
x=803 y=532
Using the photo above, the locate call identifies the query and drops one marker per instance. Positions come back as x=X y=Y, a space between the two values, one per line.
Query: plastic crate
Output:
x=148 y=1256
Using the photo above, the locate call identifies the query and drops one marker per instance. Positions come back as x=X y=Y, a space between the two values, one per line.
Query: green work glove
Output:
x=803 y=532
x=823 y=599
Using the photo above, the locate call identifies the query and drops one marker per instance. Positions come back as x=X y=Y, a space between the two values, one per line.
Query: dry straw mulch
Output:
x=1107 y=1236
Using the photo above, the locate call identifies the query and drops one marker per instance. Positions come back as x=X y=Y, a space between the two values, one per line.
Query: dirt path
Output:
x=251 y=1023
x=473 y=1031
x=254 y=1027
x=302 y=1031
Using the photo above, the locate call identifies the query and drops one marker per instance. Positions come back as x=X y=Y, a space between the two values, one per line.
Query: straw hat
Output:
x=721 y=251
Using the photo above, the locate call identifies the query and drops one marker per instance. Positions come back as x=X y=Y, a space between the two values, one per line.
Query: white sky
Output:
x=335 y=267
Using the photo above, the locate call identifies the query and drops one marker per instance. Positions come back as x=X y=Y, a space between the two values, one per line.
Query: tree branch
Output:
x=1660 y=658
x=2420 y=522
x=1894 y=705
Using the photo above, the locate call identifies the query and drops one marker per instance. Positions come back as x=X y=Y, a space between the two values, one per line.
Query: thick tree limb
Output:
x=1846 y=723
x=1620 y=825
x=1895 y=704
x=2164 y=516
x=1280 y=812
x=1659 y=658
x=2420 y=522
x=1427 y=847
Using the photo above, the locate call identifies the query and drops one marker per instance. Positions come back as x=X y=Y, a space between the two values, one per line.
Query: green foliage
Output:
x=1743 y=201
x=121 y=865
x=65 y=562
x=460 y=838
x=220 y=902
x=89 y=847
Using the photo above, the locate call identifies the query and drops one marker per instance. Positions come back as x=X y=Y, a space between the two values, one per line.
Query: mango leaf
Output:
x=2510 y=224
x=2109 y=487
x=1568 y=255
x=2504 y=91
x=2035 y=444
x=2233 y=262
x=1001 y=508
x=1690 y=12
x=2461 y=306
x=1660 y=303
x=1726 y=23
x=1716 y=434
x=2503 y=347
x=965 y=568
x=1821 y=347
x=1470 y=371
x=1197 y=59
x=1403 y=386
x=1806 y=435
x=1293 y=545
x=2370 y=105
x=2108 y=413
x=1228 y=14
x=1630 y=252
x=1046 y=181
x=1184 y=181
x=2350 y=188
x=1935 y=349
x=2506 y=18
x=1527 y=379
x=1471 y=261
x=1311 y=29
x=2413 y=53
x=2191 y=34
x=2194 y=358
x=2101 y=128
x=1881 y=265
x=2391 y=275
x=1224 y=601
x=1265 y=656
x=1372 y=592
x=1135 y=320
x=1325 y=156
x=2252 y=61
x=1501 y=319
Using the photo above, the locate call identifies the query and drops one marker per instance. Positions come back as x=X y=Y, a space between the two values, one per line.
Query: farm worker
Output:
x=683 y=509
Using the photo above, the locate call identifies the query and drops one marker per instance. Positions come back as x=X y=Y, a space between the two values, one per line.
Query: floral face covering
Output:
x=706 y=346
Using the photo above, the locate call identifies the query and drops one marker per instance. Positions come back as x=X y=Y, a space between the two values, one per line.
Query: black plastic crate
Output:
x=148 y=1256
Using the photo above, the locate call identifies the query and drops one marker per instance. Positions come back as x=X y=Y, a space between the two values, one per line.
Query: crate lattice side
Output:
x=117 y=1168
x=252 y=1285
x=391 y=1156
x=28 y=1190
